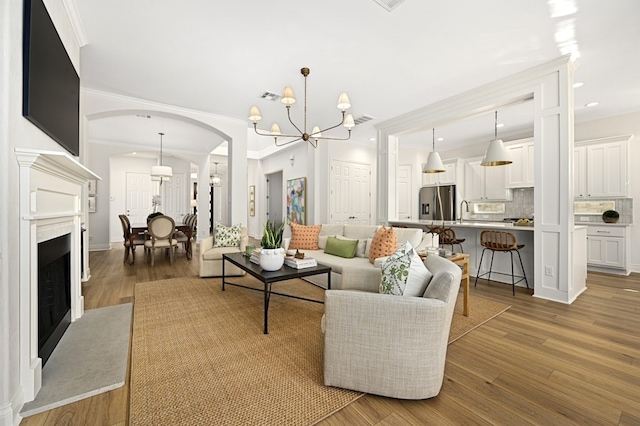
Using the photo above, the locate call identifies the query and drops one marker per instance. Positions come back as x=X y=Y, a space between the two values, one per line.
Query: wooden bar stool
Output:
x=448 y=237
x=501 y=241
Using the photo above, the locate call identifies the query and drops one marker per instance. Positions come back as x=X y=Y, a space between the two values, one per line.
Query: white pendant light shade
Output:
x=434 y=164
x=275 y=129
x=343 y=102
x=315 y=133
x=496 y=154
x=161 y=173
x=288 y=98
x=254 y=114
x=348 y=121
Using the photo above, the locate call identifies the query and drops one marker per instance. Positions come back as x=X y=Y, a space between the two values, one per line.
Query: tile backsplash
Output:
x=521 y=205
x=624 y=206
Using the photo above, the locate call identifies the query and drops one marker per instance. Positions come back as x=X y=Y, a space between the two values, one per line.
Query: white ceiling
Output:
x=219 y=57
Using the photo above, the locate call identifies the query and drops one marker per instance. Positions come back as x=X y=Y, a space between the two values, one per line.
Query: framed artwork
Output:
x=92 y=204
x=252 y=193
x=252 y=208
x=91 y=186
x=297 y=200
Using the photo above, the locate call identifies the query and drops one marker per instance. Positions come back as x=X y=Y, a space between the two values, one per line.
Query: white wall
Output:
x=17 y=132
x=627 y=124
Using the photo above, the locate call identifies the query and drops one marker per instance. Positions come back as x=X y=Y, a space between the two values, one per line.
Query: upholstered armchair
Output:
x=211 y=257
x=388 y=345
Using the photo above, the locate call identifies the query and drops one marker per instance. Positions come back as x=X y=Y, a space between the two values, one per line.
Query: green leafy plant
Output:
x=610 y=216
x=272 y=235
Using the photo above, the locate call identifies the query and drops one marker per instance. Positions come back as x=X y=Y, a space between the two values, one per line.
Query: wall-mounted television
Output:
x=51 y=86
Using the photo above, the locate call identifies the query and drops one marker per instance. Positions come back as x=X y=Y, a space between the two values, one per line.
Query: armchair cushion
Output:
x=227 y=236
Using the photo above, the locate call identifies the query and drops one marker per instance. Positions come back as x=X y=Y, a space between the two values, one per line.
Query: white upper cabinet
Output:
x=601 y=168
x=520 y=172
x=448 y=177
x=482 y=183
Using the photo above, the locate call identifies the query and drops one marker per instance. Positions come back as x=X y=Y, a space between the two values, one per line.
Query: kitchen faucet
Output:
x=467 y=209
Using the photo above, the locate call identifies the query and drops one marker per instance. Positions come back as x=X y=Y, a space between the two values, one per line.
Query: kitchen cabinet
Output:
x=448 y=177
x=520 y=173
x=606 y=246
x=485 y=183
x=601 y=168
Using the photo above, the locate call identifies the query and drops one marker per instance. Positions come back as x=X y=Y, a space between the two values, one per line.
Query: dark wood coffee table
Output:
x=270 y=277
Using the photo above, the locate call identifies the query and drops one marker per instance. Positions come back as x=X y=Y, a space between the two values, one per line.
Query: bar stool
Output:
x=501 y=241
x=448 y=237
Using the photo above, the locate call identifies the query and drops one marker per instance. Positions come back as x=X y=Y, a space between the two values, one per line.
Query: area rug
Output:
x=91 y=358
x=481 y=310
x=199 y=355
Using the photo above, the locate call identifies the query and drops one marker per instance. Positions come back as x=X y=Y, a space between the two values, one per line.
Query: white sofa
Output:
x=358 y=273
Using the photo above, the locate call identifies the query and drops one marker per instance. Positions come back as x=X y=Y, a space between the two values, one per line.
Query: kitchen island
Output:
x=470 y=232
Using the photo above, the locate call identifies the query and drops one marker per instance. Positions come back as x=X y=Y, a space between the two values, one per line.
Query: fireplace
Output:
x=54 y=293
x=52 y=190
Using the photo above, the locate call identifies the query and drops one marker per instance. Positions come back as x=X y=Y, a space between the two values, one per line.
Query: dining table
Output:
x=137 y=229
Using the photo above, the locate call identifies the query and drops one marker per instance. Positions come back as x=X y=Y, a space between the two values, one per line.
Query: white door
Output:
x=350 y=193
x=404 y=185
x=174 y=199
x=139 y=193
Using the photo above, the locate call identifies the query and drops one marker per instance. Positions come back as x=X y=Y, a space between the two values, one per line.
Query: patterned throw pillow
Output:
x=304 y=237
x=227 y=236
x=404 y=273
x=384 y=243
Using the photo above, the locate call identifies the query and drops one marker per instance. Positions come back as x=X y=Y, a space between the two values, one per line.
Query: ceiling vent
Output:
x=143 y=116
x=270 y=96
x=363 y=119
x=389 y=4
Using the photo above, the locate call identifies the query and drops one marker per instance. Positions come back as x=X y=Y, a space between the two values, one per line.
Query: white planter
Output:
x=271 y=259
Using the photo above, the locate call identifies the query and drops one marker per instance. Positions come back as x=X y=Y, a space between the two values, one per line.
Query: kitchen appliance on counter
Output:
x=437 y=203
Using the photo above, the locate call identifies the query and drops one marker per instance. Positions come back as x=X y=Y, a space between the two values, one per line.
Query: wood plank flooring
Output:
x=539 y=363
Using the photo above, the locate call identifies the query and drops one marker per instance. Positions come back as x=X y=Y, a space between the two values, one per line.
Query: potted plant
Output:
x=272 y=253
x=610 y=216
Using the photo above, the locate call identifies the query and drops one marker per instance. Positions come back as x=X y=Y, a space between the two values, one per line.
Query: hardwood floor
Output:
x=540 y=362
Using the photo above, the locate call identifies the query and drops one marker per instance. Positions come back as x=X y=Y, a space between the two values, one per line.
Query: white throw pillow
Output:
x=367 y=247
x=362 y=245
x=404 y=274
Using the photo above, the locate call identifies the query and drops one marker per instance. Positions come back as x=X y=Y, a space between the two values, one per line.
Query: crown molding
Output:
x=76 y=23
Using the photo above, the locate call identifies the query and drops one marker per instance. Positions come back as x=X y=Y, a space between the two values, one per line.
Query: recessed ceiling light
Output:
x=134 y=153
x=440 y=139
x=372 y=139
x=578 y=84
x=592 y=104
x=499 y=125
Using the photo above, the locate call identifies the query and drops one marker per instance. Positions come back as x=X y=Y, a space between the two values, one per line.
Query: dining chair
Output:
x=162 y=231
x=191 y=221
x=129 y=246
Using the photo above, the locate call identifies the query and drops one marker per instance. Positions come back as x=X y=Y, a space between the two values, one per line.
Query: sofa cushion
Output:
x=342 y=248
x=216 y=253
x=384 y=243
x=227 y=236
x=412 y=235
x=322 y=241
x=329 y=229
x=404 y=274
x=359 y=232
x=361 y=244
x=304 y=237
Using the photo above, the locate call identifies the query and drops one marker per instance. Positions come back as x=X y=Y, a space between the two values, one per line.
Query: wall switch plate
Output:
x=548 y=271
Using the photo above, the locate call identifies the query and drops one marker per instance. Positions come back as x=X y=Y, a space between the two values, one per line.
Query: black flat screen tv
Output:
x=51 y=86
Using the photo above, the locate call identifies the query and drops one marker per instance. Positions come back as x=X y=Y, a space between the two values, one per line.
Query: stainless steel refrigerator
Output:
x=434 y=207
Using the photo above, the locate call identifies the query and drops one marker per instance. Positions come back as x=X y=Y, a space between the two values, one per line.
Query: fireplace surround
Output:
x=52 y=190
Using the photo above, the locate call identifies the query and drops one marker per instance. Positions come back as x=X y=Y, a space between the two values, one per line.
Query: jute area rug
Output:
x=199 y=355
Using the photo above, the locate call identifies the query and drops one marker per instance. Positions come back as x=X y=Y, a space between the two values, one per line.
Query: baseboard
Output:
x=100 y=247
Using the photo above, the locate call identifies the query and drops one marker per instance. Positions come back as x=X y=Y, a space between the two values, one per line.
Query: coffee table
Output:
x=268 y=278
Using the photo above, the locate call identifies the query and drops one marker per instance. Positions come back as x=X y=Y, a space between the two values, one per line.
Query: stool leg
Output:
x=491 y=264
x=522 y=266
x=513 y=278
x=479 y=266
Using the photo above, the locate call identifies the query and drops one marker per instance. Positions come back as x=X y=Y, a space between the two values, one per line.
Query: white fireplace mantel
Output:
x=50 y=197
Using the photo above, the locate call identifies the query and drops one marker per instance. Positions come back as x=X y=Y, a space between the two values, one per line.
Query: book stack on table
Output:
x=255 y=257
x=307 y=262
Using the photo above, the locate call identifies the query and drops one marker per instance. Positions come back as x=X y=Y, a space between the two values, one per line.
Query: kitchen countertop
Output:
x=465 y=224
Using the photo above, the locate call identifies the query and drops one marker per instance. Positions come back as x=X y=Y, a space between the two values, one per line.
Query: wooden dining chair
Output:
x=129 y=245
x=162 y=231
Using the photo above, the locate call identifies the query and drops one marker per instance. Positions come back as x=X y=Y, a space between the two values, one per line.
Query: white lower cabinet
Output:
x=606 y=247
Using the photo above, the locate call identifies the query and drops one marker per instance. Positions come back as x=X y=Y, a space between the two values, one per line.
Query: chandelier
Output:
x=161 y=173
x=289 y=99
x=215 y=179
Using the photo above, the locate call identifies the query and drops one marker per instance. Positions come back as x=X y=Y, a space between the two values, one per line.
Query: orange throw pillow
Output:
x=304 y=237
x=384 y=243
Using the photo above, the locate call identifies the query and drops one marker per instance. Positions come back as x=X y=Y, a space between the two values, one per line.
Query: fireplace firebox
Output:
x=54 y=293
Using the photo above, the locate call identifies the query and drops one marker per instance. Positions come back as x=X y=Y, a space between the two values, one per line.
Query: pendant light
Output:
x=496 y=154
x=161 y=173
x=215 y=179
x=434 y=162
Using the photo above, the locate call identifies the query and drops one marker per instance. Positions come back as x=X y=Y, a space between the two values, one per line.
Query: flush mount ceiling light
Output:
x=161 y=173
x=434 y=162
x=496 y=154
x=215 y=179
x=289 y=99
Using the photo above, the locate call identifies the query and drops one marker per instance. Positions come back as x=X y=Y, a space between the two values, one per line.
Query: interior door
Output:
x=139 y=192
x=404 y=185
x=350 y=193
x=174 y=199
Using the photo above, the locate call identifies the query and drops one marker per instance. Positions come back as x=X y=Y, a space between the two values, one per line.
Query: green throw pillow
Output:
x=342 y=248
